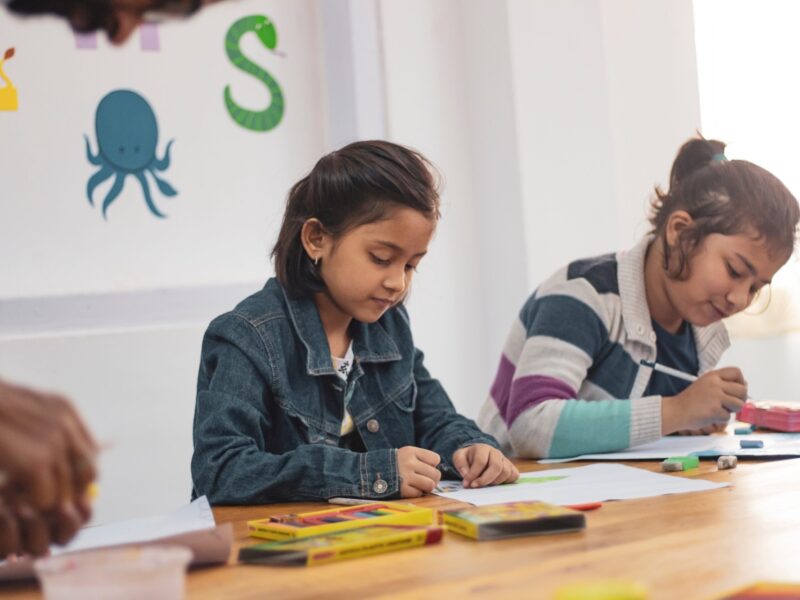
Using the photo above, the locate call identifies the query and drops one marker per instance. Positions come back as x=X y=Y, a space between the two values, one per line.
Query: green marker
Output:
x=680 y=463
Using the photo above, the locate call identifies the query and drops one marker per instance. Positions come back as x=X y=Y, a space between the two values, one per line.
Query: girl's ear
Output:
x=314 y=238
x=677 y=222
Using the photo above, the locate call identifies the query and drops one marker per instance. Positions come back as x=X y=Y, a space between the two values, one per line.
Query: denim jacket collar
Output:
x=371 y=343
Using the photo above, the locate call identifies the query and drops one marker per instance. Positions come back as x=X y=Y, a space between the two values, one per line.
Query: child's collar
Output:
x=371 y=342
x=711 y=341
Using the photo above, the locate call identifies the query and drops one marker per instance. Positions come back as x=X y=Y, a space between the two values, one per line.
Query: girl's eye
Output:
x=379 y=261
x=732 y=272
x=411 y=268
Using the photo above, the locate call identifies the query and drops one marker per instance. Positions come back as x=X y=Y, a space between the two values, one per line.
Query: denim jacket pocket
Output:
x=405 y=398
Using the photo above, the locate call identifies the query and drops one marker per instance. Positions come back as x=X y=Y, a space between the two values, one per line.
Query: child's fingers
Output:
x=732 y=404
x=509 y=473
x=505 y=473
x=478 y=460
x=461 y=461
x=424 y=484
x=428 y=457
x=731 y=374
x=494 y=468
x=737 y=390
x=428 y=471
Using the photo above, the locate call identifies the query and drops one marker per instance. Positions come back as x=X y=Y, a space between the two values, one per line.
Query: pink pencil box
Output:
x=780 y=417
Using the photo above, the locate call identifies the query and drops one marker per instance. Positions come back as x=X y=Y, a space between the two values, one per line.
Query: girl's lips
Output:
x=718 y=312
x=382 y=302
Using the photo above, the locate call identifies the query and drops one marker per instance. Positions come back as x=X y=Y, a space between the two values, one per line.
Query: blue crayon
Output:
x=751 y=443
x=744 y=430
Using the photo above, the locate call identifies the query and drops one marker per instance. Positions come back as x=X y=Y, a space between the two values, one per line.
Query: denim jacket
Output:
x=270 y=406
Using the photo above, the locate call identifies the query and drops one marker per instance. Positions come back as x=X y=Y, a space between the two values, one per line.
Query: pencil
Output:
x=668 y=370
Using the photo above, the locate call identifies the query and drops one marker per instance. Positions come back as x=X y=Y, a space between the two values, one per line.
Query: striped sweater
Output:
x=569 y=380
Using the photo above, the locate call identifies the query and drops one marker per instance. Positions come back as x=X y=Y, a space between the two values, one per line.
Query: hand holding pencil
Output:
x=707 y=402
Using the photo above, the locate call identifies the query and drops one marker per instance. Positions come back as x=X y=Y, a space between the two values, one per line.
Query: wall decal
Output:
x=268 y=118
x=148 y=38
x=8 y=93
x=127 y=137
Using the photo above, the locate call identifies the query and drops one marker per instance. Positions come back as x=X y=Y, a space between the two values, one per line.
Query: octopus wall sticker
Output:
x=127 y=137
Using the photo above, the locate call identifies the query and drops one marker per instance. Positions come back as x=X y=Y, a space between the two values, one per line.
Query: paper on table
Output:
x=775 y=444
x=192 y=526
x=580 y=485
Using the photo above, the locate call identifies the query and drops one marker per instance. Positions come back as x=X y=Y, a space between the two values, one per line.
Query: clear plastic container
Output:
x=132 y=573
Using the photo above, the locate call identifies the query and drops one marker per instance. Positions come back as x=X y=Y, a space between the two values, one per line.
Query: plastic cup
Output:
x=116 y=574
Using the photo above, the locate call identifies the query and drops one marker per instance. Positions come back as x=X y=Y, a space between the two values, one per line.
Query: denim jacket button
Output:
x=380 y=486
x=373 y=426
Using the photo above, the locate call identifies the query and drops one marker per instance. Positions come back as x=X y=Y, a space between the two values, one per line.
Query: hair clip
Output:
x=719 y=157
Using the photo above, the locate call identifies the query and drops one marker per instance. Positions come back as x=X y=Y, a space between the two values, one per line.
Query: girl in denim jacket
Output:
x=312 y=387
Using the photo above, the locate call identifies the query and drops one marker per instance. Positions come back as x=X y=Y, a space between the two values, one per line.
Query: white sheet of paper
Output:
x=775 y=444
x=192 y=526
x=579 y=485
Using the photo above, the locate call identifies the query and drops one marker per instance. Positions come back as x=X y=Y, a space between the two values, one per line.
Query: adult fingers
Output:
x=65 y=522
x=32 y=471
x=34 y=531
x=9 y=532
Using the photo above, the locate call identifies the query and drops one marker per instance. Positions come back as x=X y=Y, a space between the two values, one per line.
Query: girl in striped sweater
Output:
x=571 y=379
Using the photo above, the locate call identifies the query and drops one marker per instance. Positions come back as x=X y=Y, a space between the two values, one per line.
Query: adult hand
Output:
x=481 y=465
x=417 y=470
x=47 y=455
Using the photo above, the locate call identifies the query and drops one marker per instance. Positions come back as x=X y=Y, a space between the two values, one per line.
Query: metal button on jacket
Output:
x=380 y=486
x=373 y=426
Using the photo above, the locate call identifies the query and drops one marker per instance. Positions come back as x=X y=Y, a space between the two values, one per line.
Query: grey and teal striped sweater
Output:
x=569 y=380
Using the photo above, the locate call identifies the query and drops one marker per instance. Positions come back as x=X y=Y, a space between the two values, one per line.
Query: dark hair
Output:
x=355 y=185
x=722 y=196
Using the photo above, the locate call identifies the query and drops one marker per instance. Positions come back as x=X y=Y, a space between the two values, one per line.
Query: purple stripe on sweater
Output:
x=529 y=391
x=501 y=388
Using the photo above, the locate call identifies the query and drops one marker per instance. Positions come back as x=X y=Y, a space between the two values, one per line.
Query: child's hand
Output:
x=715 y=428
x=418 y=472
x=708 y=401
x=481 y=465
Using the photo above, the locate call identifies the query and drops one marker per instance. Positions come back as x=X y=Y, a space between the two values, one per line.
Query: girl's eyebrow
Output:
x=752 y=269
x=397 y=248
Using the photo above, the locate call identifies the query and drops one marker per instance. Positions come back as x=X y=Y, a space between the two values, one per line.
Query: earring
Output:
x=316 y=261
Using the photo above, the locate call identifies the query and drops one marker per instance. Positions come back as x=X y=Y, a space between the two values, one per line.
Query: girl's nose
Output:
x=739 y=297
x=396 y=281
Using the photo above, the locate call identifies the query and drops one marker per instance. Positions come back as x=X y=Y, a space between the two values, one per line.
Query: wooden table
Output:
x=696 y=545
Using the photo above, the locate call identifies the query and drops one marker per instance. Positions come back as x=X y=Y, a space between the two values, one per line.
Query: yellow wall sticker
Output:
x=8 y=93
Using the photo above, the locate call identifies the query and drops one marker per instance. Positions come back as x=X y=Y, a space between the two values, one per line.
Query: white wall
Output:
x=746 y=55
x=550 y=120
x=112 y=312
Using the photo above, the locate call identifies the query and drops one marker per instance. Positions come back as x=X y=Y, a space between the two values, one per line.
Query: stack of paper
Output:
x=580 y=485
x=192 y=526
